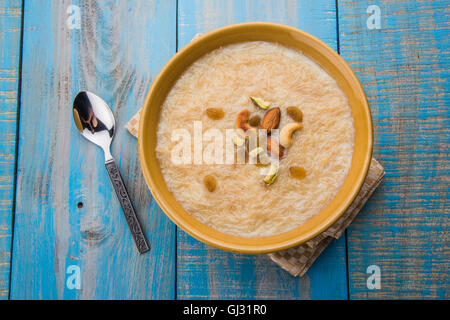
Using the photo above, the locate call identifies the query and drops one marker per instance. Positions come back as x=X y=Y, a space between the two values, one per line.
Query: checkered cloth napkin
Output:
x=297 y=260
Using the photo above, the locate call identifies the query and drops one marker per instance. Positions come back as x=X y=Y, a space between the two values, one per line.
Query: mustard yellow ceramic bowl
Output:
x=316 y=50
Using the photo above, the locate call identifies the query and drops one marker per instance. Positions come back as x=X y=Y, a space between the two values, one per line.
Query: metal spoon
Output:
x=95 y=121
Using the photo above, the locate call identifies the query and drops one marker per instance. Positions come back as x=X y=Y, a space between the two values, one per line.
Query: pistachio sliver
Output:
x=255 y=152
x=260 y=103
x=272 y=174
x=264 y=160
x=238 y=140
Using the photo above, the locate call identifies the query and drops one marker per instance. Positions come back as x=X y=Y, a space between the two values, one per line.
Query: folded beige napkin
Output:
x=297 y=260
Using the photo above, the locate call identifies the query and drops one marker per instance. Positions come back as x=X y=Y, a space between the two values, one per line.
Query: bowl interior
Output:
x=313 y=48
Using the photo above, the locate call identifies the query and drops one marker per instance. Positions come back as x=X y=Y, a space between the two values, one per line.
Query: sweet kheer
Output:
x=258 y=85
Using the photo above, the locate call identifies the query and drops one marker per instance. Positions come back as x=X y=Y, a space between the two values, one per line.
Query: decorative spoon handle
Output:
x=128 y=210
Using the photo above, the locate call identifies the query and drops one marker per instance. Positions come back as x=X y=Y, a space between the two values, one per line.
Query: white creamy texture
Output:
x=242 y=204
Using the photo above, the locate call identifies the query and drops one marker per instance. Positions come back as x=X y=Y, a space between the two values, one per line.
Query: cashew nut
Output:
x=242 y=120
x=286 y=133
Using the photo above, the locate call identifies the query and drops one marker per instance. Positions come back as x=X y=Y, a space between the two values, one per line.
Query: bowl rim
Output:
x=242 y=248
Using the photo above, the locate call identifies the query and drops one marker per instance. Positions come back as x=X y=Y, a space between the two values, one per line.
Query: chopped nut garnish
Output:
x=238 y=141
x=295 y=113
x=286 y=133
x=210 y=183
x=271 y=119
x=215 y=113
x=297 y=172
x=253 y=154
x=240 y=156
x=260 y=103
x=274 y=148
x=272 y=175
x=242 y=119
x=263 y=160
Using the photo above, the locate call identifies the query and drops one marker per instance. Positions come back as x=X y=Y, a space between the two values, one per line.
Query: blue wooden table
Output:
x=60 y=218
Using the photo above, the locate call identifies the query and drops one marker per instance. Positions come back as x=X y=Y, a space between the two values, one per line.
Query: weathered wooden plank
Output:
x=404 y=68
x=205 y=272
x=10 y=30
x=119 y=48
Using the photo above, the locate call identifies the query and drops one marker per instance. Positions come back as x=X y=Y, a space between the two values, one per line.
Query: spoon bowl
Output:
x=95 y=121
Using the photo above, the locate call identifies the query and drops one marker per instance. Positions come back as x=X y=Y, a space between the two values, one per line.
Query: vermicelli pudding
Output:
x=258 y=85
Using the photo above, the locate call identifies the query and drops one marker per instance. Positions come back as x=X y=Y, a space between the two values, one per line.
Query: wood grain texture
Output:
x=404 y=68
x=116 y=53
x=10 y=30
x=204 y=272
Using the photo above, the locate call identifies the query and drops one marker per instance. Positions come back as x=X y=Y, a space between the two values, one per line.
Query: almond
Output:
x=271 y=119
x=274 y=148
